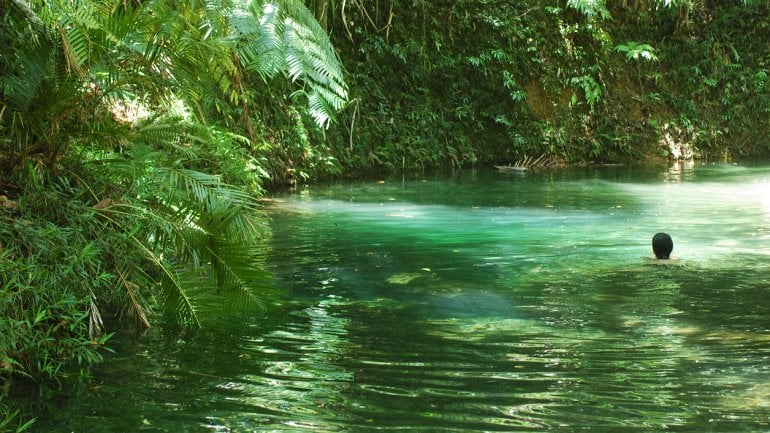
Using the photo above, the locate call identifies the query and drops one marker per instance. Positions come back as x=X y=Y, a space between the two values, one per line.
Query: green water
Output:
x=480 y=301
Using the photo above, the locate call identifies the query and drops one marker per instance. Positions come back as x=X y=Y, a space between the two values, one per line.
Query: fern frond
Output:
x=319 y=108
x=284 y=37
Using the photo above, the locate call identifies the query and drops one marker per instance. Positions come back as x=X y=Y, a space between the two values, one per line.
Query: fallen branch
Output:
x=528 y=163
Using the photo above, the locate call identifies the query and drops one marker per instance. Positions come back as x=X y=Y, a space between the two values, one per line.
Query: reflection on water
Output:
x=482 y=302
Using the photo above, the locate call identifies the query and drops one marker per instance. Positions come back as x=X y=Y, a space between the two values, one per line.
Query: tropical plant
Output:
x=636 y=52
x=590 y=8
x=129 y=188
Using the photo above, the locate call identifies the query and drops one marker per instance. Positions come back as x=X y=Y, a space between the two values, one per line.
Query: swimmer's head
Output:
x=662 y=245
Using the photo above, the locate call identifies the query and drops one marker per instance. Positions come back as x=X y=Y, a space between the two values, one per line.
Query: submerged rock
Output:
x=403 y=278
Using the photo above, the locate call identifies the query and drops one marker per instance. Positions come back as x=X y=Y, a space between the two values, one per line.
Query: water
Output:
x=477 y=302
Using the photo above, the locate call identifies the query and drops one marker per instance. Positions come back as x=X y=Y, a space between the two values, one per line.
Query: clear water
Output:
x=481 y=301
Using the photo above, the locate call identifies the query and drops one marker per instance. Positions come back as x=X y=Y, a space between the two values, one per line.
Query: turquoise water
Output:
x=478 y=301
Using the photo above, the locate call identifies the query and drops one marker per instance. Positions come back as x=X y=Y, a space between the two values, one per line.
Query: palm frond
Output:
x=178 y=293
x=200 y=234
x=236 y=264
x=25 y=80
x=160 y=132
x=174 y=292
x=136 y=306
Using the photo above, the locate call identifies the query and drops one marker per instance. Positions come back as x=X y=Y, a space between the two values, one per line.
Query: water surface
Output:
x=480 y=301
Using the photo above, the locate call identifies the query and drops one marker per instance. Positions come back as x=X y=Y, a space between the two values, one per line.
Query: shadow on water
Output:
x=482 y=302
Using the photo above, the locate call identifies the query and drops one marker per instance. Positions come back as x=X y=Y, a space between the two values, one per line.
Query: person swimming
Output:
x=662 y=244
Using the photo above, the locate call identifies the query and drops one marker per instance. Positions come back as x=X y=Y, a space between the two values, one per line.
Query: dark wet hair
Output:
x=662 y=245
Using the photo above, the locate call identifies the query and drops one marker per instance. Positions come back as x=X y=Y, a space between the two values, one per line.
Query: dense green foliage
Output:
x=127 y=189
x=440 y=83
